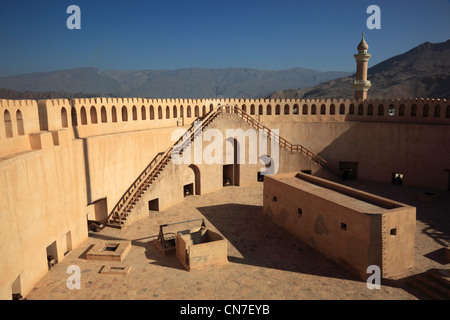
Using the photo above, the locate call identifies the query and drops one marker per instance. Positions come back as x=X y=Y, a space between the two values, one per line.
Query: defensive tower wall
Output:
x=62 y=161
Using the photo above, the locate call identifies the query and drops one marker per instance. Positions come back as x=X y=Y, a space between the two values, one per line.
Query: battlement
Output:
x=95 y=116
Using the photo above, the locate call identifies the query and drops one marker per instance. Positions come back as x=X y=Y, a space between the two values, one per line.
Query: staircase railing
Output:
x=283 y=142
x=139 y=186
x=134 y=192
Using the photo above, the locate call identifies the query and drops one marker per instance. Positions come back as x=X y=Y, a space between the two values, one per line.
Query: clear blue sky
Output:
x=171 y=34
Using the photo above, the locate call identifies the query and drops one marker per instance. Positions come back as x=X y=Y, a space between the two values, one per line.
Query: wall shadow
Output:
x=86 y=165
x=386 y=145
x=151 y=252
x=433 y=214
x=258 y=241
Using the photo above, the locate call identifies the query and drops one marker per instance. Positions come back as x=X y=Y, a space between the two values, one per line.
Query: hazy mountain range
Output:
x=194 y=83
x=423 y=72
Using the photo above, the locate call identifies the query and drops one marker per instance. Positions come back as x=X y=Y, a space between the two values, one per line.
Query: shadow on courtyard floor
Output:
x=151 y=252
x=432 y=210
x=255 y=240
x=260 y=242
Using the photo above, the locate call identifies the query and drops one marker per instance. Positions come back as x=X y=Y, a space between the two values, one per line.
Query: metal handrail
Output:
x=147 y=175
x=283 y=142
x=161 y=159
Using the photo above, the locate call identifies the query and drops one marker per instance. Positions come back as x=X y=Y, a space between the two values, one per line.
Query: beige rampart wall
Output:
x=116 y=160
x=18 y=118
x=95 y=116
x=42 y=199
x=415 y=150
x=176 y=176
x=47 y=191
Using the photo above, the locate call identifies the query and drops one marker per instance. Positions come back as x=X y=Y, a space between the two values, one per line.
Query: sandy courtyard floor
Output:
x=265 y=262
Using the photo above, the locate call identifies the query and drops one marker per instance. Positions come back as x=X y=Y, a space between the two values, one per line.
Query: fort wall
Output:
x=42 y=205
x=61 y=160
x=379 y=148
x=353 y=228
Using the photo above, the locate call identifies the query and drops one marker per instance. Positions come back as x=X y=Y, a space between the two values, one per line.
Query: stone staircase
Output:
x=434 y=284
x=119 y=214
x=295 y=148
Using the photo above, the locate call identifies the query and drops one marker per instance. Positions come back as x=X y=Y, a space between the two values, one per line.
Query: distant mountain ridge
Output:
x=422 y=72
x=192 y=83
x=42 y=95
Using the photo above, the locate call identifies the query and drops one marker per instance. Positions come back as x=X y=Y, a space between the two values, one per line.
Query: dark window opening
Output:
x=425 y=110
x=52 y=255
x=260 y=177
x=299 y=212
x=228 y=175
x=343 y=226
x=397 y=178
x=153 y=205
x=413 y=110
x=391 y=110
x=393 y=232
x=188 y=190
x=274 y=199
x=349 y=170
x=305 y=109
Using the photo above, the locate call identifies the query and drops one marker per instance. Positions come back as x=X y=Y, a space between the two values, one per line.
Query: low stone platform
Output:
x=124 y=270
x=109 y=251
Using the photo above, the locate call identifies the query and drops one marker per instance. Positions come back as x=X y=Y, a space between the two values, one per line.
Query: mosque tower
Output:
x=361 y=85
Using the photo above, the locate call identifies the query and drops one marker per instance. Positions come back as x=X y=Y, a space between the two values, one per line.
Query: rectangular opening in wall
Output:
x=16 y=289
x=274 y=199
x=188 y=190
x=299 y=212
x=52 y=255
x=307 y=171
x=397 y=178
x=68 y=242
x=349 y=170
x=228 y=175
x=260 y=177
x=343 y=226
x=393 y=232
x=153 y=205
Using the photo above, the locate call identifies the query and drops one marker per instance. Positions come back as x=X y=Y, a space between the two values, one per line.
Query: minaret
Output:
x=361 y=85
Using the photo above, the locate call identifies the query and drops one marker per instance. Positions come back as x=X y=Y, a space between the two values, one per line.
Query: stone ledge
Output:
x=109 y=251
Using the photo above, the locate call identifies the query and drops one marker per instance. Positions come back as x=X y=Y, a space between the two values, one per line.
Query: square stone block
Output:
x=109 y=251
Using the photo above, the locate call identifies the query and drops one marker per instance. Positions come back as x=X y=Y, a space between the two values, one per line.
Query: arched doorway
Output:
x=192 y=181
x=231 y=171
x=197 y=180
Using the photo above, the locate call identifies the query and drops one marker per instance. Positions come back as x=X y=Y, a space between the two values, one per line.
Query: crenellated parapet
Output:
x=94 y=116
x=18 y=118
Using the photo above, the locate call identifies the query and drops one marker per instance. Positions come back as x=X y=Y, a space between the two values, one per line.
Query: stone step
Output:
x=115 y=225
x=432 y=283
